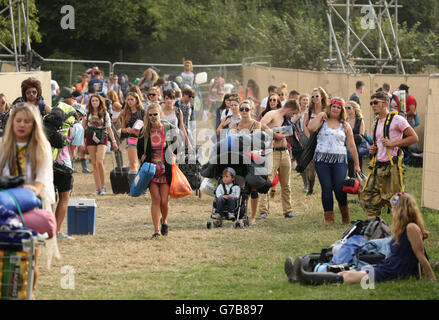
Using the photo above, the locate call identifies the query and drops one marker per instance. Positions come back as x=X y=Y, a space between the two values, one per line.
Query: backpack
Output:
x=57 y=123
x=377 y=229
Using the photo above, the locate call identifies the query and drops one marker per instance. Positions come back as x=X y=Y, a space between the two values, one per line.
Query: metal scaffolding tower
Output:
x=17 y=12
x=374 y=14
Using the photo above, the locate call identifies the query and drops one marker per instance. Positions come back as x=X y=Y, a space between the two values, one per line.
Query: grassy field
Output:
x=192 y=263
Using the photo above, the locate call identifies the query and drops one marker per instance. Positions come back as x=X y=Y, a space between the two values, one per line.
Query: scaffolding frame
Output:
x=19 y=9
x=346 y=60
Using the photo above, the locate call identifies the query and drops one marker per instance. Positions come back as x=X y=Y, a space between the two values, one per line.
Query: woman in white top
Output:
x=248 y=125
x=25 y=148
x=26 y=151
x=330 y=157
x=173 y=115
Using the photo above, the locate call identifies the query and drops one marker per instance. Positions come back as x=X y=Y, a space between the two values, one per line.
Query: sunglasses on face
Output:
x=244 y=109
x=152 y=94
x=315 y=96
x=375 y=102
x=153 y=115
x=273 y=100
x=31 y=92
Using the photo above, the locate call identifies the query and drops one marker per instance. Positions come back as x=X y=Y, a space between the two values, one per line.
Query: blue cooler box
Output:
x=81 y=216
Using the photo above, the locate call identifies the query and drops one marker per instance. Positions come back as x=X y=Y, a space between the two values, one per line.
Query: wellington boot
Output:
x=345 y=218
x=310 y=187
x=305 y=182
x=329 y=218
x=314 y=278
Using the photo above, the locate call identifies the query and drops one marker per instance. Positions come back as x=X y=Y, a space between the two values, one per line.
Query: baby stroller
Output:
x=240 y=218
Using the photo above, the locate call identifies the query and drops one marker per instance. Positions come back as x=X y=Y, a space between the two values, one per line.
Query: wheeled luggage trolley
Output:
x=17 y=265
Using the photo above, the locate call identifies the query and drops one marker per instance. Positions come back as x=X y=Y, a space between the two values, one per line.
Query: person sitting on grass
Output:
x=407 y=252
x=228 y=193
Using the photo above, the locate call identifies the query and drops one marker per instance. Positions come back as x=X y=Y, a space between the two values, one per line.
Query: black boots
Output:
x=295 y=273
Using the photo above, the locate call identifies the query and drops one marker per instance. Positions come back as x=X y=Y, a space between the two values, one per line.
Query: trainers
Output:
x=262 y=216
x=231 y=216
x=289 y=215
x=103 y=191
x=85 y=170
x=97 y=192
x=63 y=236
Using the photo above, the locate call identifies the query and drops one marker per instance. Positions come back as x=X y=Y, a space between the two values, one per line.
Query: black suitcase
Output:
x=119 y=180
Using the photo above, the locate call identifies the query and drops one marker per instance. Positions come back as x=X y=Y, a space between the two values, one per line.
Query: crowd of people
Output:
x=108 y=114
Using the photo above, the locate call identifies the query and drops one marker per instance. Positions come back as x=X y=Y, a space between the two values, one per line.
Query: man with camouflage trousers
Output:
x=390 y=133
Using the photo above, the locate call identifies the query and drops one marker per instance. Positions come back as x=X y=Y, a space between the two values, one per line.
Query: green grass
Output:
x=192 y=263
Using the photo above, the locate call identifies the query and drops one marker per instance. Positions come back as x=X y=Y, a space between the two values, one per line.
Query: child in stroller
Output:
x=230 y=201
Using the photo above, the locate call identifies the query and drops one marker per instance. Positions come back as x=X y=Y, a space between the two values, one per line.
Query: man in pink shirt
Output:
x=390 y=133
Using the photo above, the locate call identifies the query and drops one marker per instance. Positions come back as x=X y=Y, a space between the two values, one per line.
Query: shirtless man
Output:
x=280 y=160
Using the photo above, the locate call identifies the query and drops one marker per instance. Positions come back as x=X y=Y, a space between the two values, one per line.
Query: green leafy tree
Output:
x=6 y=28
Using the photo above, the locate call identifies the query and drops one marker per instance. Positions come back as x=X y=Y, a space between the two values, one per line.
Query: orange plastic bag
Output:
x=180 y=187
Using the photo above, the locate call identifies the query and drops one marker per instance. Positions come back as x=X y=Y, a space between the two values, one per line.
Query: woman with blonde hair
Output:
x=282 y=92
x=148 y=80
x=97 y=126
x=355 y=119
x=407 y=252
x=330 y=157
x=4 y=113
x=248 y=125
x=25 y=151
x=133 y=112
x=156 y=140
x=304 y=101
x=319 y=103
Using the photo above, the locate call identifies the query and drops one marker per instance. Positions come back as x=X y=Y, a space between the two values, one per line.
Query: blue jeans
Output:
x=331 y=177
x=221 y=202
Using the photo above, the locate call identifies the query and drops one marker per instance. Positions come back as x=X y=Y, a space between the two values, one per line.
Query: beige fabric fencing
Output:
x=10 y=84
x=424 y=88
x=430 y=176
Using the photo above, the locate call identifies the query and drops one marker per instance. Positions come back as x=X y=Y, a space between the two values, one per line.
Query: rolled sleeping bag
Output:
x=143 y=179
x=26 y=199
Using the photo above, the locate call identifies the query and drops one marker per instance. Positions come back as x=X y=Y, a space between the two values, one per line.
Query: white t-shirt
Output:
x=188 y=78
x=54 y=86
x=264 y=103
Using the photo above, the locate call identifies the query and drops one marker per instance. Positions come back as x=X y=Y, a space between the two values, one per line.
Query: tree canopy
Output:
x=295 y=33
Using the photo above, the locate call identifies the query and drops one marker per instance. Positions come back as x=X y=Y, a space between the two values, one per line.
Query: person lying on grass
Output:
x=407 y=252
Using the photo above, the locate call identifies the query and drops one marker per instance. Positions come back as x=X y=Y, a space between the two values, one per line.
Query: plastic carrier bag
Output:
x=180 y=187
